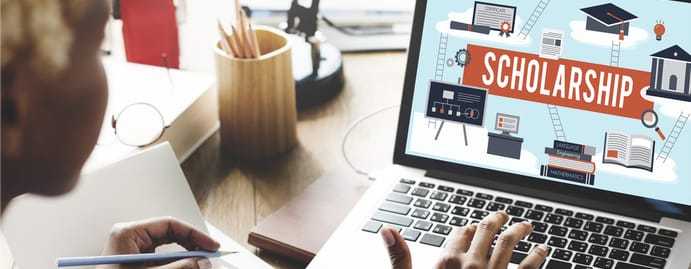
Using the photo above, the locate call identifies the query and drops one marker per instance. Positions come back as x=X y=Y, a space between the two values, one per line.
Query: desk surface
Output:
x=234 y=196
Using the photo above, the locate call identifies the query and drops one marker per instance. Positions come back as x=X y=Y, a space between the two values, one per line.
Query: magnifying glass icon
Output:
x=650 y=119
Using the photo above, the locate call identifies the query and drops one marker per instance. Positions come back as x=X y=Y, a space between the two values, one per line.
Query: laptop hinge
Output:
x=550 y=195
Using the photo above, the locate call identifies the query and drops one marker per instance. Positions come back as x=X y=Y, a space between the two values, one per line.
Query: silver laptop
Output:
x=569 y=114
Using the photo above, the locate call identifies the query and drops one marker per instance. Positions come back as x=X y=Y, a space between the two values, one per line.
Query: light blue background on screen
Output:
x=581 y=126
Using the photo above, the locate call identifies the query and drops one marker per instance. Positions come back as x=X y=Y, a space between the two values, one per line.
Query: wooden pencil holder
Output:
x=257 y=99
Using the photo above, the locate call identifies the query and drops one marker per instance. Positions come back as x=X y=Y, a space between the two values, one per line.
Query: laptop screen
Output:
x=592 y=93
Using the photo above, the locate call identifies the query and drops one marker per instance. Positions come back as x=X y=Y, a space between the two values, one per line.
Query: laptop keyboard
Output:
x=427 y=213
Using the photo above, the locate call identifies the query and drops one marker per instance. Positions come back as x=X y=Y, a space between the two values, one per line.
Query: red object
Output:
x=150 y=32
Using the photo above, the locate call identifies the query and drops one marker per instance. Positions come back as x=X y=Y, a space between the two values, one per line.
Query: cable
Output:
x=350 y=130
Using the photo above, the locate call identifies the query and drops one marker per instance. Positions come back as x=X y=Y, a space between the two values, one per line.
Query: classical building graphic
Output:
x=670 y=75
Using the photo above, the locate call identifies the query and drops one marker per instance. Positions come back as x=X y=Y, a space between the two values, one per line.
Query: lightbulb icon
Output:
x=659 y=30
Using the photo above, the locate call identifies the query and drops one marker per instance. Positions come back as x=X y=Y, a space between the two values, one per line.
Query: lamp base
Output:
x=312 y=89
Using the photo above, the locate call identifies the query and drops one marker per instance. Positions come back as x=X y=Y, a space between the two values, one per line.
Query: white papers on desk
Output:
x=551 y=44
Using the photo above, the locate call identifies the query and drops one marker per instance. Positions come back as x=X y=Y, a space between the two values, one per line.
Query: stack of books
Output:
x=570 y=161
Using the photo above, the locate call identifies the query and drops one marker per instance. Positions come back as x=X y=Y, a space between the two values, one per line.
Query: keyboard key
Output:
x=411 y=235
x=598 y=250
x=420 y=213
x=557 y=230
x=407 y=181
x=554 y=219
x=484 y=196
x=426 y=185
x=668 y=233
x=623 y=265
x=476 y=203
x=517 y=257
x=395 y=208
x=422 y=203
x=619 y=255
x=442 y=229
x=648 y=261
x=479 y=214
x=580 y=266
x=604 y=220
x=584 y=216
x=557 y=264
x=439 y=196
x=423 y=225
x=399 y=198
x=392 y=219
x=578 y=246
x=544 y=208
x=460 y=211
x=439 y=217
x=578 y=235
x=537 y=238
x=432 y=240
x=402 y=188
x=633 y=235
x=534 y=215
x=640 y=247
x=598 y=239
x=619 y=243
x=562 y=254
x=593 y=227
x=626 y=224
x=492 y=206
x=398 y=229
x=422 y=192
x=372 y=227
x=523 y=204
x=523 y=246
x=515 y=220
x=603 y=263
x=661 y=252
x=584 y=259
x=539 y=226
x=464 y=192
x=503 y=200
x=442 y=207
x=557 y=241
x=573 y=223
x=564 y=212
x=456 y=221
x=613 y=231
x=457 y=199
x=646 y=228
x=515 y=211
x=445 y=188
x=659 y=240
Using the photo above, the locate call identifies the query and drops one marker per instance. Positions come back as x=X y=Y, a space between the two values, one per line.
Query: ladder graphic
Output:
x=532 y=20
x=673 y=136
x=559 y=133
x=441 y=56
x=615 y=53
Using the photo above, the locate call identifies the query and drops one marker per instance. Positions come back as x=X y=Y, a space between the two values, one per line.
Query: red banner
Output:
x=575 y=84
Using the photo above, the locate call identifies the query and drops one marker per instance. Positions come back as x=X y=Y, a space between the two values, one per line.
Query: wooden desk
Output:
x=235 y=196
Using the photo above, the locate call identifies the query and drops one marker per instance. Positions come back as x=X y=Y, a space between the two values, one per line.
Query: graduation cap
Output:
x=608 y=18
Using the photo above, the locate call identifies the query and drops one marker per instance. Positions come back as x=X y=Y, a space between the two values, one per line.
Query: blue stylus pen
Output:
x=138 y=258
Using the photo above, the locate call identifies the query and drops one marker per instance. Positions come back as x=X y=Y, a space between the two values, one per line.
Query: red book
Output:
x=150 y=32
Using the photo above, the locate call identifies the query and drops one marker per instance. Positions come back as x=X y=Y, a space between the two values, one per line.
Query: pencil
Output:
x=255 y=42
x=224 y=40
x=138 y=258
x=237 y=39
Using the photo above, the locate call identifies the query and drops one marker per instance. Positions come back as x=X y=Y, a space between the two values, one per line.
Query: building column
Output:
x=687 y=80
x=660 y=70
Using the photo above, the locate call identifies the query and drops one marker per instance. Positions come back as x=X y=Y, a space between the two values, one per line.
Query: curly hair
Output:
x=39 y=33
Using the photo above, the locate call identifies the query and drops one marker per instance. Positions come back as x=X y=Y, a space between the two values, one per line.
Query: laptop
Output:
x=569 y=114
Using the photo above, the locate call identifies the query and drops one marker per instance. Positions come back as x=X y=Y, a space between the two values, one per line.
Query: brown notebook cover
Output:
x=300 y=228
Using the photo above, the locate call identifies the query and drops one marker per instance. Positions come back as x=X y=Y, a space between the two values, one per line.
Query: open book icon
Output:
x=633 y=151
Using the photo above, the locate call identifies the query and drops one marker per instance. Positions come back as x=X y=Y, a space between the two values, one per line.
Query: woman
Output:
x=53 y=101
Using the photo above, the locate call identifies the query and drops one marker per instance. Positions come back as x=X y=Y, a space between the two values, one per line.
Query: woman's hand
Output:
x=145 y=236
x=470 y=246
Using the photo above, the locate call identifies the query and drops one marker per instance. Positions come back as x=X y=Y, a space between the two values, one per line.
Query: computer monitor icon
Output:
x=507 y=124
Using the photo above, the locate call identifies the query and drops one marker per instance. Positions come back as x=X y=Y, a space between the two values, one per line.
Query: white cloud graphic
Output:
x=667 y=107
x=467 y=17
x=451 y=145
x=636 y=35
x=662 y=171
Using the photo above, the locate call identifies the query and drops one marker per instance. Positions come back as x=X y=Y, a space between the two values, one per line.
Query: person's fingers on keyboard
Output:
x=507 y=241
x=399 y=254
x=484 y=235
x=535 y=258
x=460 y=240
